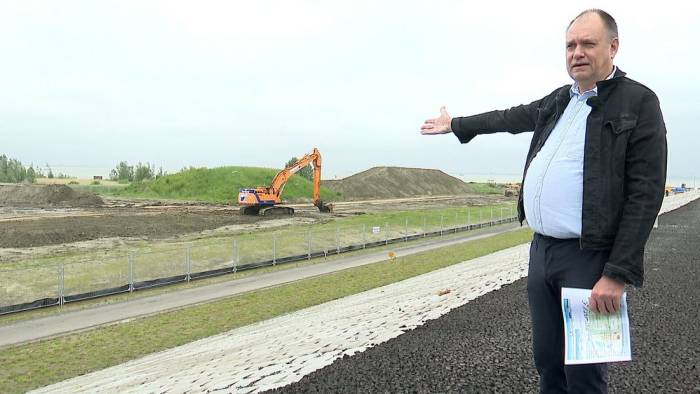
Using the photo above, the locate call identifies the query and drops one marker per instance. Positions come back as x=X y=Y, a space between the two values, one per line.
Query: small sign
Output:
x=376 y=230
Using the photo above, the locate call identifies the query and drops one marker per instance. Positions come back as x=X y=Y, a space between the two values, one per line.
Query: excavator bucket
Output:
x=326 y=208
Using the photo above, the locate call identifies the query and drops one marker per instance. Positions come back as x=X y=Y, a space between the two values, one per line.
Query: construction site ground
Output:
x=28 y=231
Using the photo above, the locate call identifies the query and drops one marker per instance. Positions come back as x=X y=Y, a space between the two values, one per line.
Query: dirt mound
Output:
x=394 y=182
x=42 y=196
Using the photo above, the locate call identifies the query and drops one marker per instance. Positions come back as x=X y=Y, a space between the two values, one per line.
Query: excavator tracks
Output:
x=276 y=211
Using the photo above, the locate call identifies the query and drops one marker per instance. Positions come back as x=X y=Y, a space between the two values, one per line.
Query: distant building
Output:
x=97 y=177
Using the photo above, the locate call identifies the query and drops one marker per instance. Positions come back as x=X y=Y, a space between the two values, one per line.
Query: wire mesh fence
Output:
x=31 y=288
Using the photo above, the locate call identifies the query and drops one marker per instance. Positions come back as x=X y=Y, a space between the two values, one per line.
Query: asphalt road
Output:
x=69 y=322
x=484 y=346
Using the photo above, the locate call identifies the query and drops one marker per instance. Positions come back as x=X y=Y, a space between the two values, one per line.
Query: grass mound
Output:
x=221 y=185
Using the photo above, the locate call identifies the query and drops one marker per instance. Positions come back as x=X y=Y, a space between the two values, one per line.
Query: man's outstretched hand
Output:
x=606 y=296
x=439 y=125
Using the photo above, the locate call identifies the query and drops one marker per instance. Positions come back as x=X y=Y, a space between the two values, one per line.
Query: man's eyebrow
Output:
x=582 y=41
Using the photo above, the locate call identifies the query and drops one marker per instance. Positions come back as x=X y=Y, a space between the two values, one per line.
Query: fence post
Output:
x=274 y=249
x=337 y=240
x=131 y=271
x=364 y=235
x=189 y=262
x=456 y=221
x=61 y=286
x=424 y=228
x=386 y=234
x=235 y=255
x=308 y=238
x=480 y=219
x=441 y=224
x=492 y=214
x=405 y=231
x=469 y=216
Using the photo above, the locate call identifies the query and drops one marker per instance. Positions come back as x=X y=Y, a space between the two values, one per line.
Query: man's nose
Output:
x=578 y=52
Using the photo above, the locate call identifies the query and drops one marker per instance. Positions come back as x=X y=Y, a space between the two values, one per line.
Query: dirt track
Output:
x=25 y=232
x=31 y=227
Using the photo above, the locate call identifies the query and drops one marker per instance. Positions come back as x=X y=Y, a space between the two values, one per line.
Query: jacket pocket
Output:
x=622 y=124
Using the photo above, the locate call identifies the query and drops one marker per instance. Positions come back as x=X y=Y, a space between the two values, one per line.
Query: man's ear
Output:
x=614 y=46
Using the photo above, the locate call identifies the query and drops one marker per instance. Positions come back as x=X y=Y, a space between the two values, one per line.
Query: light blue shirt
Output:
x=553 y=188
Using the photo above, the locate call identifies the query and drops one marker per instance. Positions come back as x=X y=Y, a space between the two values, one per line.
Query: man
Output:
x=592 y=187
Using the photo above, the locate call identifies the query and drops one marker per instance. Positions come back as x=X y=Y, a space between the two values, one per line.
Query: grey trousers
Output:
x=556 y=263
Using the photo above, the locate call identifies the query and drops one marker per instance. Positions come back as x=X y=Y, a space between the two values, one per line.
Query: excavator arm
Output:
x=283 y=176
x=272 y=194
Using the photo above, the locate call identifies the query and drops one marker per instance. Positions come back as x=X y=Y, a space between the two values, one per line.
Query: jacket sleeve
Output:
x=514 y=120
x=645 y=176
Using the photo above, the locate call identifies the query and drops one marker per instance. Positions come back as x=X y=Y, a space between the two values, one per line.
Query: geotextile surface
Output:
x=484 y=346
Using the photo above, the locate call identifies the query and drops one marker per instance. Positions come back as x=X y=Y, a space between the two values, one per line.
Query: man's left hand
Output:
x=606 y=296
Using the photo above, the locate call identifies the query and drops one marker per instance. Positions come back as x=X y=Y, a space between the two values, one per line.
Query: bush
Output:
x=124 y=173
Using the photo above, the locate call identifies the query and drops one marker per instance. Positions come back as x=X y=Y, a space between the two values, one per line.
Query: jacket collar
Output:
x=605 y=87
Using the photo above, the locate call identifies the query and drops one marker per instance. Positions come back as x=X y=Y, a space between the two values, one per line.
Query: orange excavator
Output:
x=263 y=200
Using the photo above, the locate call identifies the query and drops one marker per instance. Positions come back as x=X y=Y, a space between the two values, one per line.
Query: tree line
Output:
x=13 y=171
x=124 y=172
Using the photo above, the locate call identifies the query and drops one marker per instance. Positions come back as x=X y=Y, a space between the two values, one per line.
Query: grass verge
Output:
x=42 y=363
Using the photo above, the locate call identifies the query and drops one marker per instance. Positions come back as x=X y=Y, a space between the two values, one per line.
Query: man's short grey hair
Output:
x=608 y=21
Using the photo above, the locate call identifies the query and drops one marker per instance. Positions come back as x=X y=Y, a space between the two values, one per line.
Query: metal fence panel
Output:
x=291 y=244
x=159 y=265
x=211 y=257
x=325 y=240
x=27 y=285
x=255 y=250
x=81 y=278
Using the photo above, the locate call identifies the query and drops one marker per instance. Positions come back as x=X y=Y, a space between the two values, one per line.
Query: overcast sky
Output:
x=85 y=84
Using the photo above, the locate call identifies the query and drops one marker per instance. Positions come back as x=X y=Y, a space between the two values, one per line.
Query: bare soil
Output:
x=396 y=182
x=21 y=195
x=40 y=220
x=32 y=227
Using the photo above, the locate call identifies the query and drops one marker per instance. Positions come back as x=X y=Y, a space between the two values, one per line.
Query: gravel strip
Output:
x=484 y=346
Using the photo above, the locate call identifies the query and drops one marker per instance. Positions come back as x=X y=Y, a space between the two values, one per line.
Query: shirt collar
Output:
x=593 y=92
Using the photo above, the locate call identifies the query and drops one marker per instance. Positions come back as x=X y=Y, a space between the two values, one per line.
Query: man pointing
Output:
x=592 y=187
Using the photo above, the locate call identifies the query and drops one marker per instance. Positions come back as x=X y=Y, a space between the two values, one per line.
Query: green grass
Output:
x=487 y=188
x=218 y=185
x=29 y=366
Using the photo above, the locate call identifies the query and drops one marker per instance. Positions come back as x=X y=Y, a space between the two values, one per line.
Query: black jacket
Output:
x=624 y=166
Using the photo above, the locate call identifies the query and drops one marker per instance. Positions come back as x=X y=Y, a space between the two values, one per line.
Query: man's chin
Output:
x=580 y=76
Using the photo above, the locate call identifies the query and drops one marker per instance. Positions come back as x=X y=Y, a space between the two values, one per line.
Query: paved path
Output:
x=282 y=350
x=66 y=323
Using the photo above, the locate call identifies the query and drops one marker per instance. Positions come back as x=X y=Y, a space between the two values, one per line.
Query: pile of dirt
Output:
x=396 y=182
x=47 y=196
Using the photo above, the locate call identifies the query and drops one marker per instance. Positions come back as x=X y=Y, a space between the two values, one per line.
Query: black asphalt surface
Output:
x=484 y=346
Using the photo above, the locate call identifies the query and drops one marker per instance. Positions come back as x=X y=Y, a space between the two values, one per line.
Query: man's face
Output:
x=589 y=51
